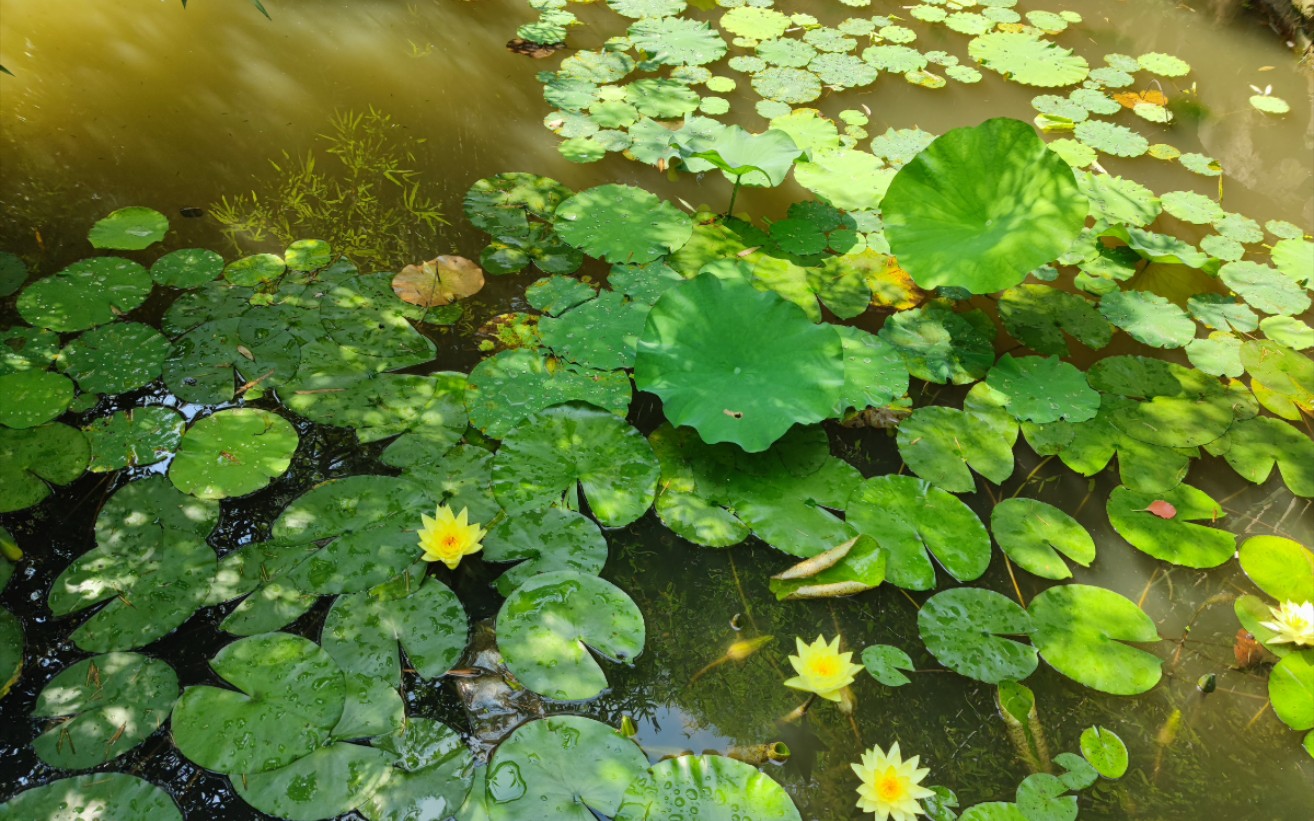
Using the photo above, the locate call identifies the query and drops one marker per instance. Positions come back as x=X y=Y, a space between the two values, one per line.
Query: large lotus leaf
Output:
x=1174 y=540
x=330 y=781
x=846 y=178
x=94 y=797
x=27 y=349
x=940 y=345
x=908 y=517
x=1283 y=379
x=1033 y=534
x=232 y=453
x=129 y=229
x=600 y=333
x=1043 y=389
x=752 y=159
x=151 y=562
x=203 y=364
x=290 y=694
x=1029 y=60
x=512 y=385
x=965 y=212
x=966 y=629
x=115 y=358
x=390 y=404
x=547 y=627
x=1253 y=446
x=501 y=204
x=1280 y=567
x=1079 y=631
x=621 y=223
x=1038 y=316
x=104 y=706
x=1291 y=689
x=939 y=444
x=87 y=293
x=874 y=372
x=30 y=458
x=543 y=541
x=677 y=41
x=737 y=364
x=430 y=776
x=567 y=768
x=365 y=314
x=362 y=631
x=708 y=788
x=1148 y=318
x=366 y=528
x=33 y=398
x=256 y=572
x=544 y=458
x=187 y=268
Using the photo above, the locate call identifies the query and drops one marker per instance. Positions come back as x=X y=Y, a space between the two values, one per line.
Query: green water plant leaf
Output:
x=1253 y=446
x=621 y=223
x=940 y=345
x=1177 y=540
x=94 y=797
x=289 y=695
x=1105 y=751
x=1080 y=631
x=706 y=787
x=115 y=358
x=1179 y=407
x=1282 y=379
x=33 y=398
x=1033 y=534
x=512 y=385
x=966 y=629
x=13 y=273
x=1264 y=288
x=101 y=708
x=846 y=178
x=962 y=213
x=232 y=453
x=388 y=405
x=1294 y=256
x=87 y=293
x=503 y=204
x=543 y=541
x=1291 y=689
x=27 y=349
x=552 y=453
x=1029 y=60
x=255 y=573
x=1165 y=65
x=32 y=458
x=546 y=628
x=1148 y=318
x=737 y=364
x=129 y=229
x=912 y=521
x=752 y=159
x=792 y=86
x=885 y=662
x=330 y=781
x=677 y=41
x=133 y=437
x=430 y=776
x=187 y=268
x=204 y=363
x=561 y=767
x=255 y=270
x=874 y=373
x=1043 y=389
x=1282 y=568
x=939 y=444
x=555 y=295
x=1041 y=317
x=600 y=333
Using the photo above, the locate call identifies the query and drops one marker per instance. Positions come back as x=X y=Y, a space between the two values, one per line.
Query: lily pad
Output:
x=388 y=405
x=33 y=398
x=546 y=628
x=792 y=86
x=1039 y=316
x=1264 y=288
x=1080 y=631
x=884 y=663
x=27 y=349
x=1253 y=446
x=874 y=373
x=677 y=41
x=706 y=787
x=115 y=358
x=621 y=223
x=1033 y=534
x=1148 y=318
x=939 y=444
x=232 y=453
x=129 y=229
x=1029 y=60
x=1175 y=540
x=187 y=268
x=966 y=629
x=1105 y=751
x=600 y=333
x=940 y=345
x=508 y=387
x=31 y=458
x=1111 y=138
x=255 y=573
x=1291 y=689
x=1043 y=389
x=330 y=781
x=133 y=437
x=430 y=776
x=547 y=540
x=503 y=203
x=204 y=364
x=87 y=293
x=94 y=797
x=13 y=273
x=1282 y=568
x=438 y=281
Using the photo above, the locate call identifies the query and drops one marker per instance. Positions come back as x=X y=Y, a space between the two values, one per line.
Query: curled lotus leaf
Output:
x=1177 y=540
x=102 y=796
x=967 y=629
x=129 y=229
x=1081 y=632
x=34 y=458
x=87 y=293
x=708 y=787
x=852 y=567
x=232 y=453
x=752 y=159
x=438 y=281
x=622 y=224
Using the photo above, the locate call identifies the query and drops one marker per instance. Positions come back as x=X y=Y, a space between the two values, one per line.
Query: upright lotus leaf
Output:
x=844 y=177
x=940 y=345
x=966 y=629
x=115 y=358
x=232 y=453
x=543 y=541
x=546 y=628
x=102 y=708
x=621 y=223
x=874 y=372
x=99 y=796
x=908 y=517
x=204 y=363
x=737 y=364
x=548 y=455
x=752 y=159
x=677 y=41
x=1291 y=689
x=1282 y=568
x=187 y=268
x=257 y=574
x=438 y=281
x=363 y=631
x=1038 y=316
x=290 y=694
x=706 y=787
x=965 y=212
x=87 y=293
x=1079 y=630
x=885 y=662
x=1174 y=540
x=329 y=782
x=1033 y=534
x=853 y=567
x=129 y=229
x=390 y=404
x=1148 y=318
x=31 y=458
x=1043 y=389
x=509 y=386
x=939 y=444
x=562 y=767
x=33 y=398
x=430 y=776
x=600 y=333
x=1253 y=446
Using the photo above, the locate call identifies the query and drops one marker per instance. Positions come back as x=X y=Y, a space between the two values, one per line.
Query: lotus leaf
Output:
x=129 y=229
x=1111 y=138
x=786 y=52
x=1282 y=568
x=706 y=787
x=752 y=159
x=232 y=453
x=1253 y=446
x=792 y=86
x=104 y=706
x=30 y=458
x=430 y=775
x=966 y=628
x=940 y=345
x=811 y=132
x=1238 y=228
x=1148 y=318
x=328 y=782
x=825 y=38
x=1038 y=316
x=546 y=540
x=874 y=373
x=1079 y=631
x=203 y=365
x=755 y=23
x=187 y=268
x=1033 y=534
x=564 y=767
x=898 y=147
x=115 y=358
x=884 y=663
x=546 y=628
x=939 y=444
x=363 y=630
x=1028 y=60
x=93 y=797
x=600 y=333
x=87 y=293
x=1291 y=689
x=1294 y=256
x=1174 y=540
x=1264 y=288
x=133 y=437
x=846 y=178
x=907 y=517
x=966 y=22
x=621 y=223
x=290 y=694
x=33 y=398
x=548 y=454
x=677 y=41
x=1043 y=389
x=13 y=273
x=737 y=364
x=390 y=404
x=27 y=349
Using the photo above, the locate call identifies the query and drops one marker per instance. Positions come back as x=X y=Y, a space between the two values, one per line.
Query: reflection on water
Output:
x=138 y=102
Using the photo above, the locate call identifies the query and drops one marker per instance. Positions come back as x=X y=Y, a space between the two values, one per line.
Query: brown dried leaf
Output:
x=1131 y=99
x=439 y=281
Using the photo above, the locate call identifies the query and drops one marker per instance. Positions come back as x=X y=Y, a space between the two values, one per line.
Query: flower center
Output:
x=450 y=541
x=890 y=787
x=825 y=666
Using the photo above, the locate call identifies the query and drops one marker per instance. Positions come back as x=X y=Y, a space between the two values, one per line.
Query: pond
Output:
x=365 y=124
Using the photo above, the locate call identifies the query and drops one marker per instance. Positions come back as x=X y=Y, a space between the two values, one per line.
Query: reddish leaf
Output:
x=1162 y=509
x=439 y=281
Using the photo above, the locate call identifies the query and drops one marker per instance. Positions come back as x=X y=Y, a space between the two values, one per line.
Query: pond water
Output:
x=139 y=102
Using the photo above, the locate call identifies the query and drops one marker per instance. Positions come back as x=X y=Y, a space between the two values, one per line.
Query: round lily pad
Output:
x=115 y=358
x=885 y=663
x=308 y=255
x=187 y=268
x=1111 y=138
x=621 y=223
x=502 y=204
x=1291 y=689
x=940 y=443
x=98 y=796
x=874 y=373
x=940 y=345
x=430 y=776
x=546 y=628
x=27 y=349
x=600 y=333
x=33 y=398
x=706 y=787
x=1148 y=318
x=129 y=229
x=1264 y=288
x=87 y=293
x=32 y=457
x=966 y=629
x=677 y=41
x=1105 y=751
x=329 y=782
x=1033 y=534
x=232 y=453
x=1043 y=389
x=1029 y=60
x=13 y=273
x=543 y=541
x=203 y=364
x=1282 y=568
x=1177 y=539
x=134 y=437
x=1079 y=630
x=255 y=269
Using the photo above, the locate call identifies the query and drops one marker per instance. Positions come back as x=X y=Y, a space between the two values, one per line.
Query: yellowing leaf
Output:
x=439 y=281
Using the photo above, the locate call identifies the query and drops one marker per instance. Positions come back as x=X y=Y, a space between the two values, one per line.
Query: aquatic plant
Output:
x=448 y=537
x=890 y=787
x=821 y=668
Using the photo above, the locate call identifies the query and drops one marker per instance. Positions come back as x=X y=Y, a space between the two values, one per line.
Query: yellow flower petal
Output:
x=448 y=537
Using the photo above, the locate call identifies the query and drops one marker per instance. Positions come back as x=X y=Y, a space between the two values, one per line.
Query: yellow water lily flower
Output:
x=447 y=537
x=822 y=668
x=1293 y=623
x=889 y=787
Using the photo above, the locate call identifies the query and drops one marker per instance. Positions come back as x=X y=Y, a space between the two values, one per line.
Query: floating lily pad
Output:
x=1282 y=568
x=600 y=333
x=846 y=178
x=133 y=437
x=884 y=663
x=87 y=293
x=940 y=345
x=129 y=229
x=544 y=541
x=1148 y=318
x=330 y=781
x=430 y=776
x=547 y=626
x=1294 y=256
x=1043 y=389
x=1264 y=288
x=232 y=453
x=874 y=372
x=438 y=281
x=33 y=398
x=13 y=273
x=502 y=204
x=115 y=358
x=621 y=223
x=1253 y=446
x=707 y=787
x=1165 y=65
x=939 y=444
x=1079 y=630
x=388 y=405
x=187 y=268
x=1111 y=138
x=258 y=571
x=1029 y=60
x=98 y=796
x=104 y=707
x=967 y=630
x=1033 y=534
x=27 y=349
x=792 y=86
x=1175 y=540
x=1039 y=316
x=32 y=457
x=1105 y=751
x=677 y=41
x=204 y=364
x=1291 y=689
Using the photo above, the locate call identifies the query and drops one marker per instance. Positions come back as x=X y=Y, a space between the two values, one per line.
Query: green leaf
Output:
x=1280 y=567
x=940 y=345
x=543 y=541
x=27 y=349
x=1033 y=534
x=965 y=630
x=115 y=358
x=255 y=270
x=33 y=398
x=204 y=363
x=874 y=373
x=1111 y=138
x=503 y=203
x=546 y=628
x=330 y=781
x=13 y=272
x=257 y=572
x=1079 y=631
x=884 y=663
x=187 y=268
x=1294 y=256
x=707 y=787
x=1264 y=289
x=940 y=443
x=430 y=775
x=1148 y=318
x=1039 y=316
x=792 y=86
x=1282 y=379
x=600 y=333
x=846 y=178
x=32 y=457
x=1189 y=206
x=753 y=159
x=737 y=364
x=555 y=295
x=129 y=229
x=1043 y=389
x=1165 y=65
x=1174 y=540
x=135 y=437
x=1029 y=60
x=621 y=223
x=755 y=23
x=232 y=453
x=105 y=706
x=102 y=796
x=1041 y=797
x=1253 y=446
x=1291 y=689
x=87 y=293
x=390 y=404
x=677 y=41
x=510 y=386
x=1105 y=751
